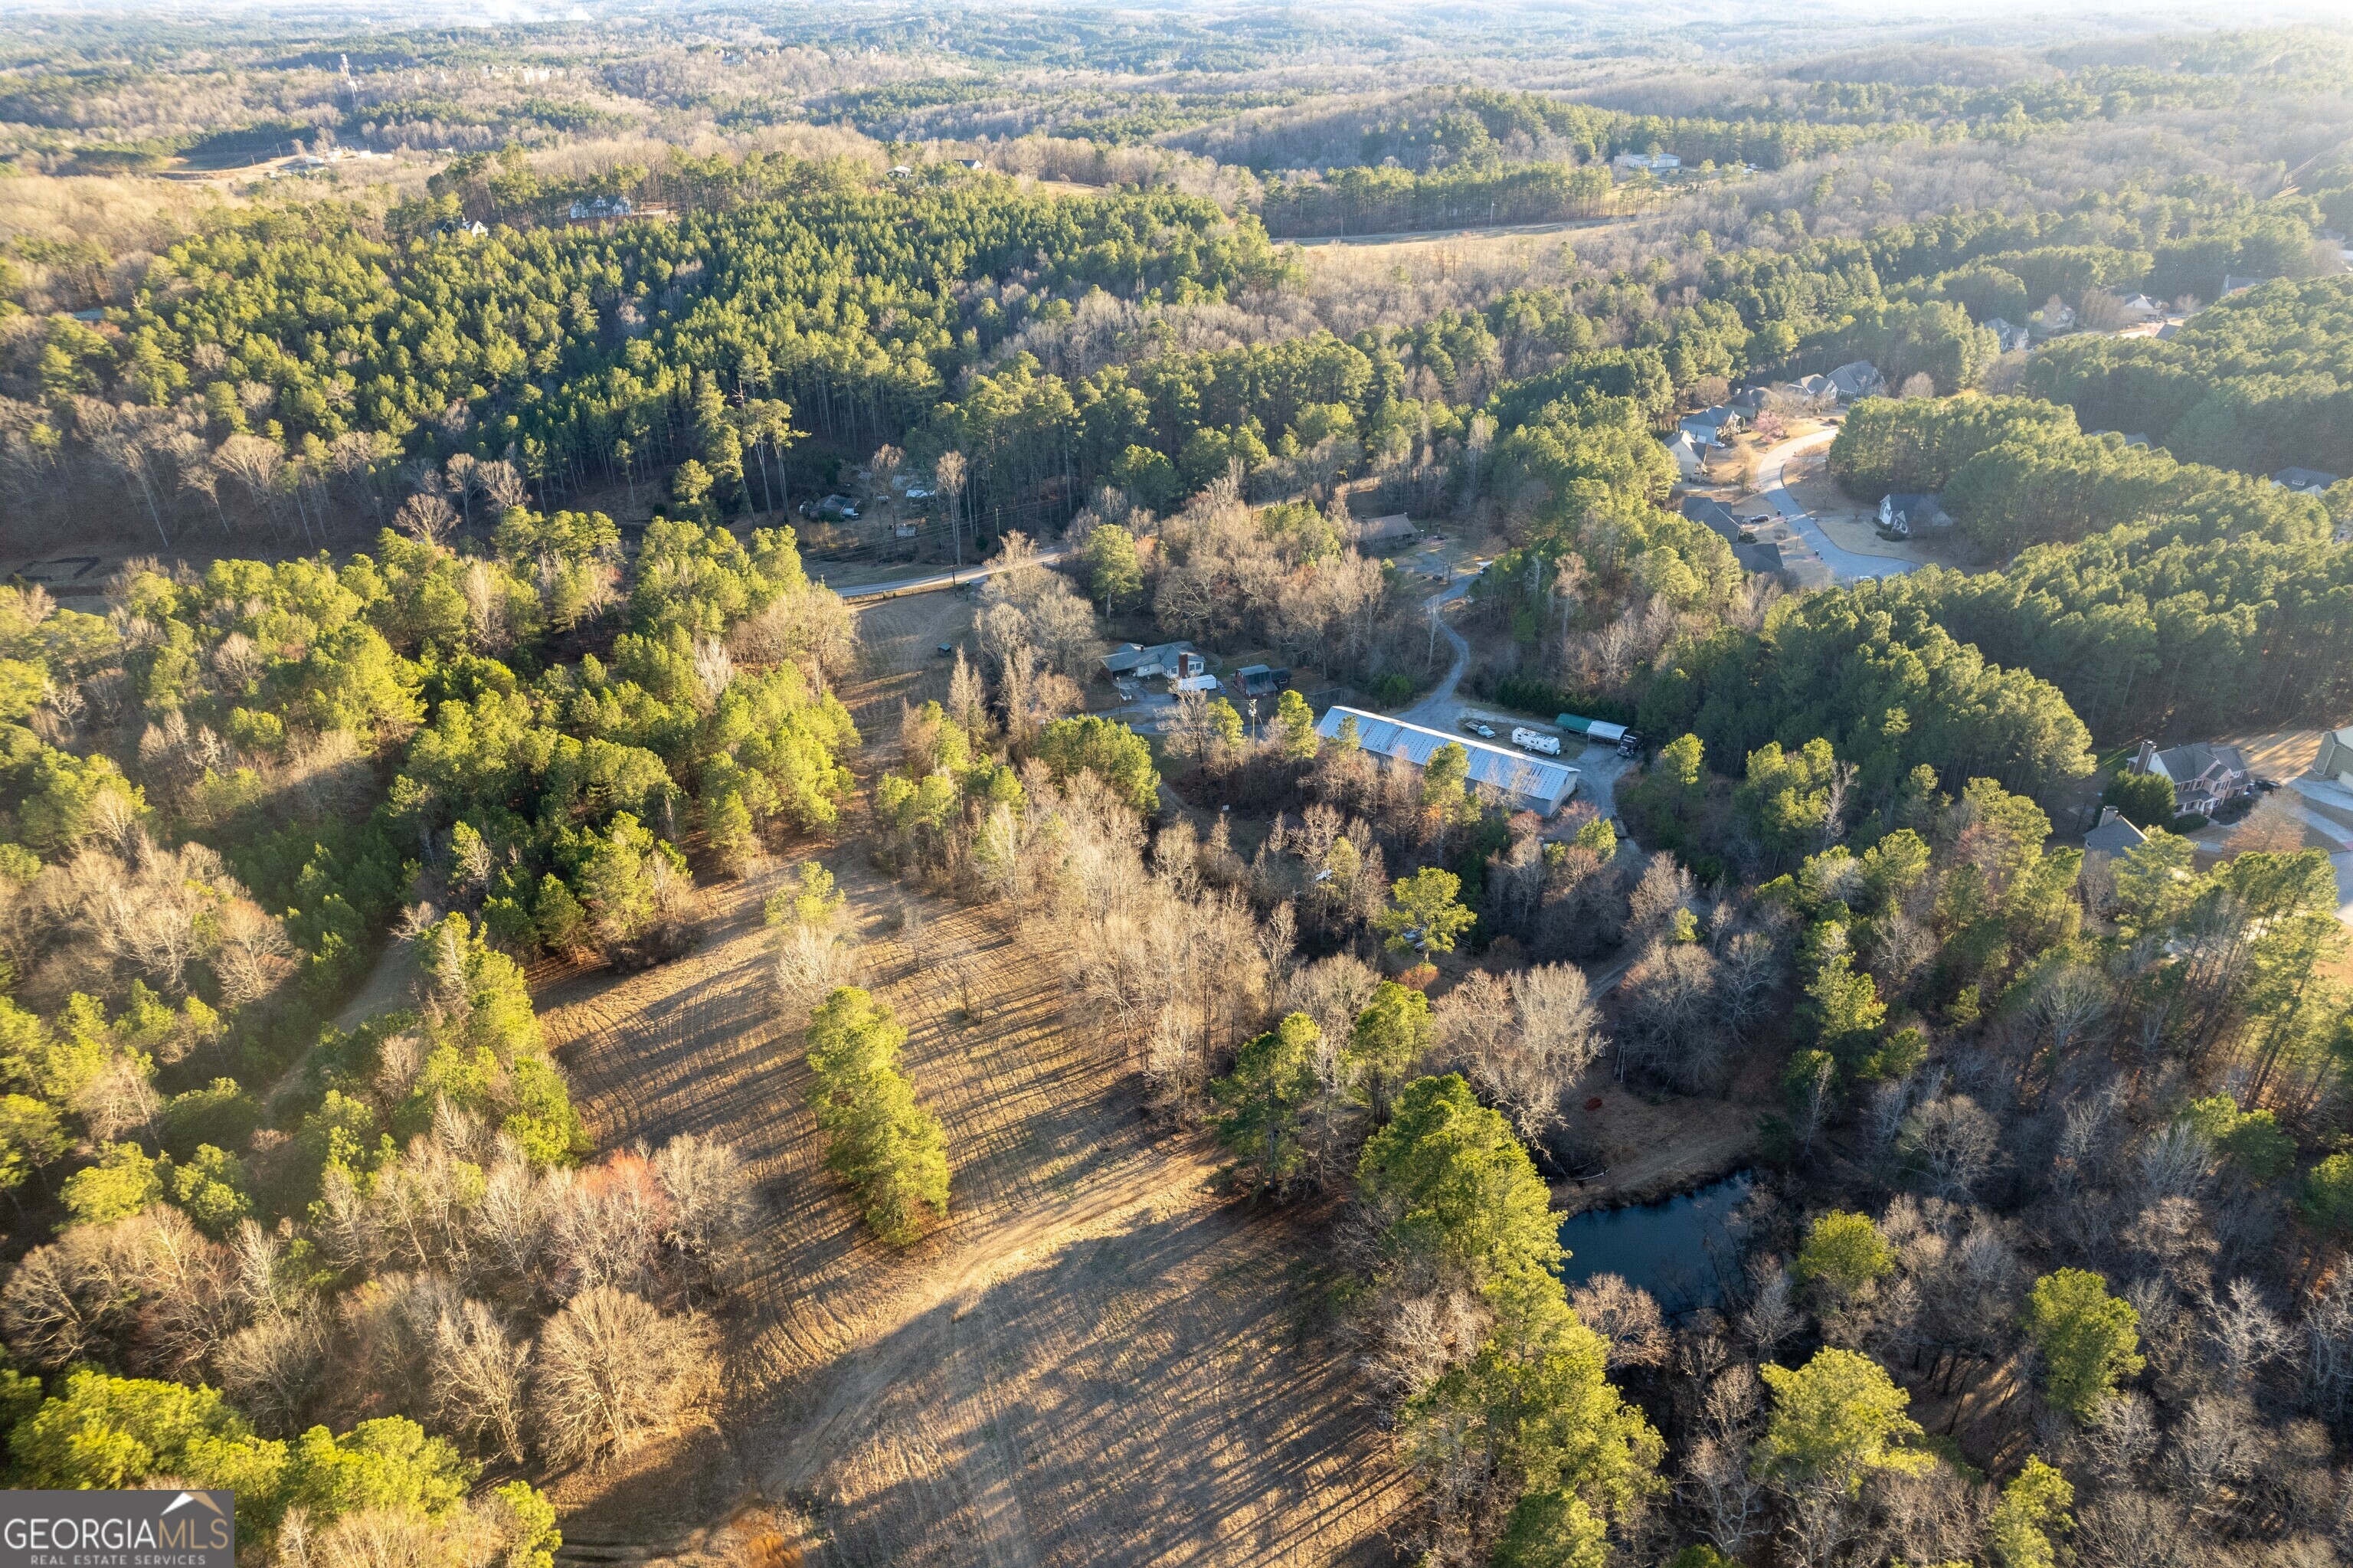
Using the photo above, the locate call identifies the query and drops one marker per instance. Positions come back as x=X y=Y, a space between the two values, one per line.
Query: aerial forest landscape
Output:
x=1538 y=783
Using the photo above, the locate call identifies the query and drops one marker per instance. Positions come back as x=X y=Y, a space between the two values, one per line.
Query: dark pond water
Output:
x=1679 y=1249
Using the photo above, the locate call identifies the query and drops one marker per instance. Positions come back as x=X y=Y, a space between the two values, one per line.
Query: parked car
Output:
x=1484 y=732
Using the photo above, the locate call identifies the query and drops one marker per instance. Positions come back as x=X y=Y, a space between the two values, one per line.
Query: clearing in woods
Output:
x=1097 y=1360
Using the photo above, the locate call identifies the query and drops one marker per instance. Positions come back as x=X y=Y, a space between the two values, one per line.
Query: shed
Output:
x=1529 y=783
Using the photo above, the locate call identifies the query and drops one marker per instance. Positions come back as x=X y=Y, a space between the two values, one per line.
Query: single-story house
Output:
x=2009 y=337
x=1652 y=163
x=2204 y=777
x=1911 y=513
x=1857 y=379
x=2305 y=481
x=1711 y=427
x=1529 y=783
x=1140 y=663
x=1260 y=680
x=2115 y=835
x=2335 y=762
x=1369 y=533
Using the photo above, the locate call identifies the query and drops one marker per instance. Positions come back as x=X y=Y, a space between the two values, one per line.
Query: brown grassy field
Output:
x=1096 y=1360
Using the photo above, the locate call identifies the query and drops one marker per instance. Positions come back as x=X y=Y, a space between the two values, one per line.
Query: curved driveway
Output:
x=1847 y=566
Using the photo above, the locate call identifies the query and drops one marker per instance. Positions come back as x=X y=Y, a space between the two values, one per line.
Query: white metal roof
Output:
x=1532 y=780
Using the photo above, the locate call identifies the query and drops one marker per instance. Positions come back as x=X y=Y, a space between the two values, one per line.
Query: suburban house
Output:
x=2305 y=481
x=584 y=210
x=1690 y=455
x=1529 y=783
x=2115 y=835
x=1371 y=533
x=1748 y=402
x=1782 y=552
x=1711 y=427
x=2009 y=337
x=1910 y=514
x=1771 y=548
x=1713 y=516
x=1130 y=661
x=2335 y=762
x=1857 y=379
x=2205 y=778
x=2057 y=319
x=1646 y=162
x=2141 y=308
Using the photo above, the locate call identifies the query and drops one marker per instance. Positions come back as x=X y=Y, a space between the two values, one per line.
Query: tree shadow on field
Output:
x=1154 y=1395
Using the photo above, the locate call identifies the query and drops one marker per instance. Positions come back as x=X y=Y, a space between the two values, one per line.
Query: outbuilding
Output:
x=1528 y=783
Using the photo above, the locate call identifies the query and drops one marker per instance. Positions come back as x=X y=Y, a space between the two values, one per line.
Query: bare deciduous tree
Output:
x=1627 y=1317
x=612 y=1372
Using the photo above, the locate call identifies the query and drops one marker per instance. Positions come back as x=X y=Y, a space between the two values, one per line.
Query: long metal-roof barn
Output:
x=1529 y=783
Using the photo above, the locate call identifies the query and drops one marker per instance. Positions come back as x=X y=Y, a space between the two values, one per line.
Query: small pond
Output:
x=1680 y=1249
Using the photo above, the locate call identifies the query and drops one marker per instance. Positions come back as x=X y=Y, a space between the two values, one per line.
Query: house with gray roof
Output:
x=2205 y=776
x=2305 y=481
x=2115 y=835
x=1909 y=513
x=1857 y=379
x=1140 y=663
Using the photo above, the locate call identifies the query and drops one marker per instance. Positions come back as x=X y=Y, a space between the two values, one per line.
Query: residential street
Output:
x=1847 y=566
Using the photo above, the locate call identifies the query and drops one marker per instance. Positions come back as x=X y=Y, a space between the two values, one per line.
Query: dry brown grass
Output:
x=1094 y=1360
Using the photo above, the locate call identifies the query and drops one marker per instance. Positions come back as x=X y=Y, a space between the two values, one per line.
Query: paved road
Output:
x=948 y=579
x=1847 y=566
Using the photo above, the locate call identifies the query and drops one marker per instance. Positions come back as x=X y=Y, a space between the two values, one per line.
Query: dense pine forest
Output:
x=615 y=955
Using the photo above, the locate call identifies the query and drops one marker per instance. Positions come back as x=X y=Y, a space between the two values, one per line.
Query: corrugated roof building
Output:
x=1530 y=783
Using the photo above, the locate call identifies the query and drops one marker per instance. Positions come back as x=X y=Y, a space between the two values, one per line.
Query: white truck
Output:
x=1535 y=740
